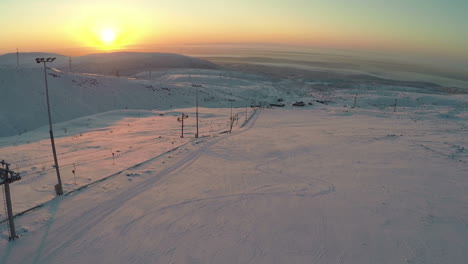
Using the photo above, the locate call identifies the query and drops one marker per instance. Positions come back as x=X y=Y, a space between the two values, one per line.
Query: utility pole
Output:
x=58 y=187
x=196 y=106
x=69 y=62
x=231 y=119
x=6 y=177
x=17 y=59
x=196 y=97
x=196 y=93
x=181 y=120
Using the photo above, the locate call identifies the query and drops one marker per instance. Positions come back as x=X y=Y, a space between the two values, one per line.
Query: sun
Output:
x=108 y=35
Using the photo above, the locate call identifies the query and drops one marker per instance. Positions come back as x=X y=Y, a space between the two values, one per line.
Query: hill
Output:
x=118 y=63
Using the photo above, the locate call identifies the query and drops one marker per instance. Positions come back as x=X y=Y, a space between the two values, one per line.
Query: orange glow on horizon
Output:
x=118 y=25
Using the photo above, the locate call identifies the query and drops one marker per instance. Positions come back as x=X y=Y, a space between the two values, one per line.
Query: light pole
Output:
x=58 y=187
x=196 y=114
x=196 y=98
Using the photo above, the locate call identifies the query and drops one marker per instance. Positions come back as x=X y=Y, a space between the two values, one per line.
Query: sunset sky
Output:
x=408 y=26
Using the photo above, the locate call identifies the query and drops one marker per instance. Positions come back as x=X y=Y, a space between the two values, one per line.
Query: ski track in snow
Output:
x=96 y=156
x=69 y=233
x=230 y=207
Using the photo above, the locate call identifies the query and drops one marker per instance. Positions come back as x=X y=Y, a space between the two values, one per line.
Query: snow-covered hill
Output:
x=77 y=95
x=28 y=60
x=319 y=185
x=115 y=64
x=128 y=63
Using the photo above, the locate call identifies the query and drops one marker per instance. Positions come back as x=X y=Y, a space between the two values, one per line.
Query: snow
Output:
x=86 y=145
x=325 y=183
x=304 y=186
x=77 y=95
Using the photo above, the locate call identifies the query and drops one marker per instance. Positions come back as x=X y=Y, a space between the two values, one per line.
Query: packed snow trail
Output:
x=140 y=136
x=296 y=186
x=147 y=145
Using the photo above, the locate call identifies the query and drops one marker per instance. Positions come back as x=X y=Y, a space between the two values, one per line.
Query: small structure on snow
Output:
x=300 y=103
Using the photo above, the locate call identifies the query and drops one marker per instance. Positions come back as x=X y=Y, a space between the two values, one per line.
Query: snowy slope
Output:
x=71 y=96
x=76 y=95
x=294 y=186
x=100 y=145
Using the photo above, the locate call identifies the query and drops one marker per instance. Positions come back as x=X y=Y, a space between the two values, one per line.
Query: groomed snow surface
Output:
x=339 y=181
x=98 y=146
x=293 y=186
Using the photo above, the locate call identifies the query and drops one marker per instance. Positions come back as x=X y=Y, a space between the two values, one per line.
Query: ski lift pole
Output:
x=8 y=177
x=181 y=120
x=196 y=94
